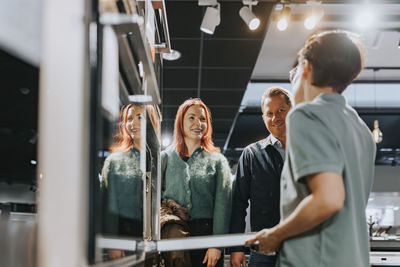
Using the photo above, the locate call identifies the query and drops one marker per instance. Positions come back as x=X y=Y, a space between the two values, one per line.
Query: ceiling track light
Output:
x=248 y=16
x=315 y=16
x=283 y=19
x=173 y=55
x=211 y=19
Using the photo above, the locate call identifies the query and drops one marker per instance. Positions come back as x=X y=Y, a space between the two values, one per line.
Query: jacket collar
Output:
x=266 y=142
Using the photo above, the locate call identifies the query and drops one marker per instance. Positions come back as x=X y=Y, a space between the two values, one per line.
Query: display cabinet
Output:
x=126 y=42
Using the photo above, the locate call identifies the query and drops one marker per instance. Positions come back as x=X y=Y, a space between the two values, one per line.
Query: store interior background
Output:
x=229 y=71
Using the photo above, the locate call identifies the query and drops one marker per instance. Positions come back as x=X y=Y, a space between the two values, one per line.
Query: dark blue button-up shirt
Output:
x=258 y=180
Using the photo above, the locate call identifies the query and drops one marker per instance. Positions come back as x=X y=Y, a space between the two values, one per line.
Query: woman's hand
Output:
x=212 y=257
x=115 y=254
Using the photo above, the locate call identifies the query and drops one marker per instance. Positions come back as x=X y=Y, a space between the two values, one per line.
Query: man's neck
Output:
x=314 y=91
x=281 y=139
x=283 y=142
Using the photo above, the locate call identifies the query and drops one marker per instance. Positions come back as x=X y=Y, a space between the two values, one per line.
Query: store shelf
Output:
x=123 y=92
x=131 y=27
x=129 y=69
x=165 y=46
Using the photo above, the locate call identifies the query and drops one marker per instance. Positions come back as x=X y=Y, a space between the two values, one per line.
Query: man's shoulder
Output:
x=117 y=157
x=310 y=111
x=307 y=107
x=256 y=146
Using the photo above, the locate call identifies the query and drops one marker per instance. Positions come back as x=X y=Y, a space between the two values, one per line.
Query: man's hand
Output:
x=116 y=254
x=268 y=241
x=212 y=257
x=238 y=258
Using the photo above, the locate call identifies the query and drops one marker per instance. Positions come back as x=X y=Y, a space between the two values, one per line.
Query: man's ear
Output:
x=307 y=69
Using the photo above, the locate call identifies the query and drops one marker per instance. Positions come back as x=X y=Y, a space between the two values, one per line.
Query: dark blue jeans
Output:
x=261 y=260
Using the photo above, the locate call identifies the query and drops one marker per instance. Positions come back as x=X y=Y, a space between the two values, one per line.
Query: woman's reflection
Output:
x=122 y=183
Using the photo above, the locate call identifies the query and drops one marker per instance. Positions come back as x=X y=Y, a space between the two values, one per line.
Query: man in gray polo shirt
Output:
x=329 y=168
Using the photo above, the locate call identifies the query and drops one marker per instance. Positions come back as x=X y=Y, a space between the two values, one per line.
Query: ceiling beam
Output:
x=304 y=1
x=356 y=81
x=337 y=17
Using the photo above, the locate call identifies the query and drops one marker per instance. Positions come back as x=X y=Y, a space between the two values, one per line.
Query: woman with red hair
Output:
x=197 y=177
x=122 y=183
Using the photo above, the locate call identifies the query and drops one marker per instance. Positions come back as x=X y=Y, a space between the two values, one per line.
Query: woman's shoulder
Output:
x=168 y=152
x=114 y=156
x=121 y=156
x=216 y=156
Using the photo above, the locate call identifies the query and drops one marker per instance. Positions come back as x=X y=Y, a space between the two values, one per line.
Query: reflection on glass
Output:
x=122 y=184
x=196 y=182
x=383 y=215
x=154 y=120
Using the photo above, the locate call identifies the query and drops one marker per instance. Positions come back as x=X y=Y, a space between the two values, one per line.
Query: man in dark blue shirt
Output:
x=258 y=177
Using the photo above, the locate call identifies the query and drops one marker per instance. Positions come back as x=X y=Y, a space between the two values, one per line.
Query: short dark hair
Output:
x=276 y=91
x=336 y=58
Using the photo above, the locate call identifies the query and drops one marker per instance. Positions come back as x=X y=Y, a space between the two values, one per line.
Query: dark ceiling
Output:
x=18 y=120
x=216 y=67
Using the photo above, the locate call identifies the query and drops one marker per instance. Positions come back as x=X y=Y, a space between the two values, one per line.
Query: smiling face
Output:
x=132 y=123
x=194 y=123
x=274 y=116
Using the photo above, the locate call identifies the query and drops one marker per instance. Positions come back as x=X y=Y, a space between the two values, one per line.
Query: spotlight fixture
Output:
x=174 y=55
x=310 y=22
x=166 y=141
x=248 y=16
x=282 y=23
x=211 y=19
x=315 y=16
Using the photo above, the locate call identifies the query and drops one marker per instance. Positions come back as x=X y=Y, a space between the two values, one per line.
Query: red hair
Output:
x=179 y=135
x=123 y=140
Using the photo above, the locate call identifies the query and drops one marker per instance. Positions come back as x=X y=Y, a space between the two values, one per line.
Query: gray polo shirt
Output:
x=327 y=135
